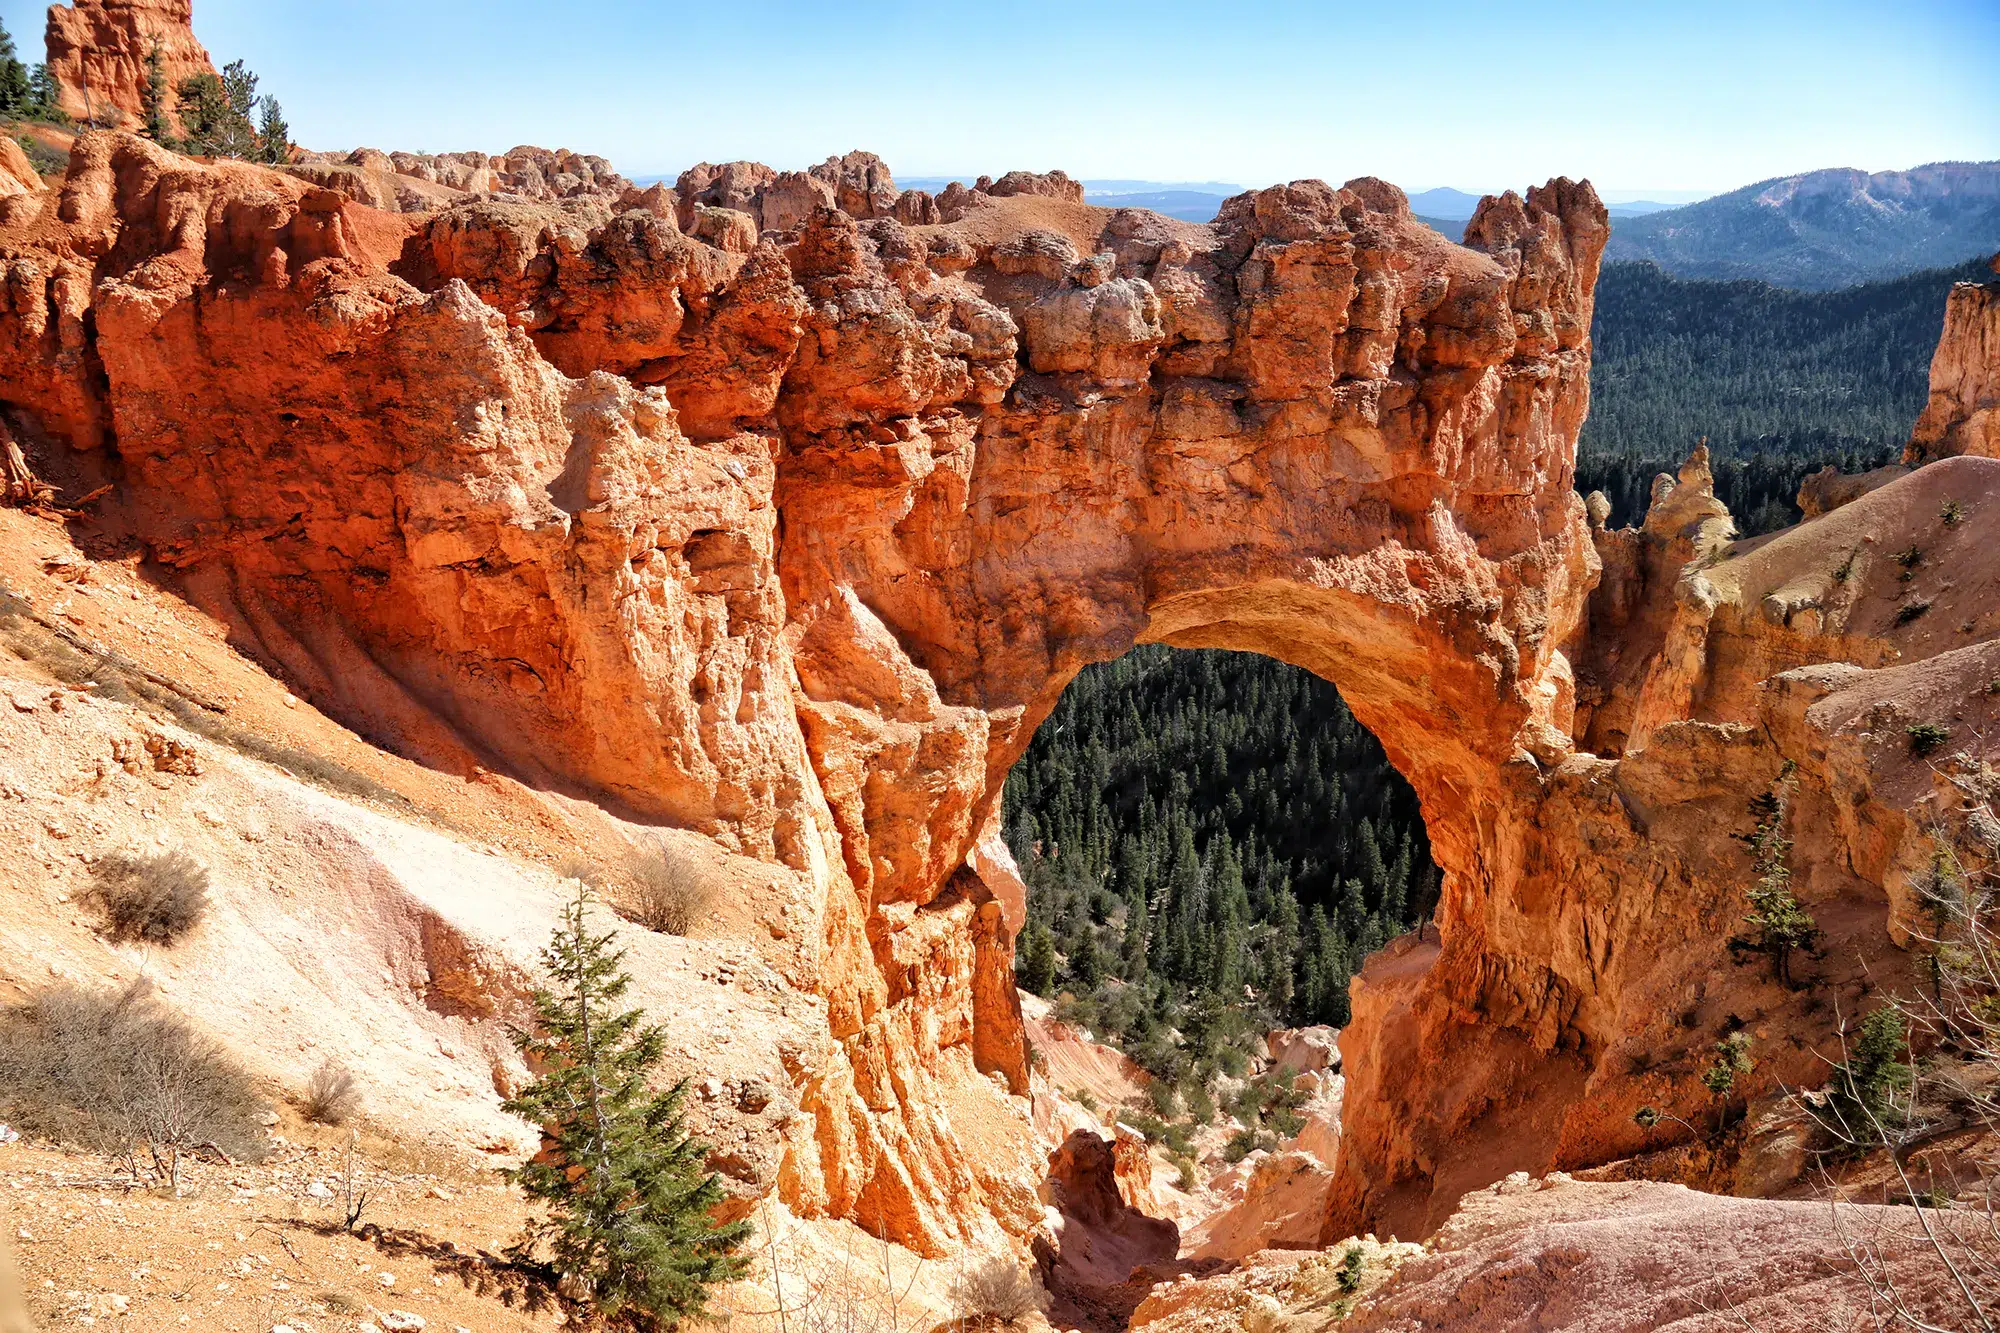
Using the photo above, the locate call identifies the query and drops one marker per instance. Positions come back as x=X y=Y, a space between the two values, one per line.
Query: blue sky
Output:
x=1694 y=97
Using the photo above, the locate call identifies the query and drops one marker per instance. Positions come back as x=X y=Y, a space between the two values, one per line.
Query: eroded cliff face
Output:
x=99 y=49
x=792 y=535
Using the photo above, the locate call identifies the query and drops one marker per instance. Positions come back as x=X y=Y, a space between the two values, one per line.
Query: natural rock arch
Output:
x=796 y=543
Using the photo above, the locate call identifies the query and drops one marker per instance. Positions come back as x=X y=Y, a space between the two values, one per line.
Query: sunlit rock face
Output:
x=791 y=534
x=99 y=50
x=1962 y=415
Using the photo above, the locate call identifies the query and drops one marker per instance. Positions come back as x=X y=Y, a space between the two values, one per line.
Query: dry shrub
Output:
x=999 y=1289
x=116 y=1072
x=665 y=890
x=156 y=898
x=332 y=1095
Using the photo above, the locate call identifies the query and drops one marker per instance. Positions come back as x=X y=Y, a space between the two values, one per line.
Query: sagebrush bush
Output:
x=156 y=898
x=1000 y=1290
x=116 y=1072
x=664 y=890
x=332 y=1095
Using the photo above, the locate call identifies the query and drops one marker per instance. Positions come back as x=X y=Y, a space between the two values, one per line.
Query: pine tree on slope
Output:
x=626 y=1187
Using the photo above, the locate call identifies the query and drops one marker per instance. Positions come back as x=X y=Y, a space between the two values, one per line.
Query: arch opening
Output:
x=1212 y=844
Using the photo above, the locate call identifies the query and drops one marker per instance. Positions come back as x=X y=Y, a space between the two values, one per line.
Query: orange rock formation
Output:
x=98 y=48
x=1963 y=413
x=793 y=536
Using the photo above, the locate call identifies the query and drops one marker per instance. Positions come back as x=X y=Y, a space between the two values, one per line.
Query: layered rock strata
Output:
x=791 y=536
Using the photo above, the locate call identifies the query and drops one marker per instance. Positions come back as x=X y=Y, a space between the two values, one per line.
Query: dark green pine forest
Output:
x=1212 y=843
x=1781 y=383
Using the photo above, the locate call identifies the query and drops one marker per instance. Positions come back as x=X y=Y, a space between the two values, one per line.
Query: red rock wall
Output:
x=98 y=48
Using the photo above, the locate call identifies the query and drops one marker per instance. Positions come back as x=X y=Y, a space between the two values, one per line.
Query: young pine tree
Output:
x=153 y=99
x=1036 y=969
x=1779 y=926
x=45 y=97
x=627 y=1194
x=274 y=136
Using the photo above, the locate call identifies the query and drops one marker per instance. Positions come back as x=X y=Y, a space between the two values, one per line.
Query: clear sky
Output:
x=1693 y=97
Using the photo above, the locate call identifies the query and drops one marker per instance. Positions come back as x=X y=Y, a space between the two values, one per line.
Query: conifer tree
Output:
x=153 y=99
x=627 y=1191
x=1138 y=927
x=1036 y=970
x=16 y=94
x=45 y=96
x=1086 y=964
x=274 y=136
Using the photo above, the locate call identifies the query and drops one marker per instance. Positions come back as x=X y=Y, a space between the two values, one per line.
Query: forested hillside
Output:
x=1211 y=842
x=1781 y=382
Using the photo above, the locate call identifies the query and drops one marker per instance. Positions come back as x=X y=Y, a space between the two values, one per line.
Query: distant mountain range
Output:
x=1825 y=229
x=1458 y=206
x=1191 y=205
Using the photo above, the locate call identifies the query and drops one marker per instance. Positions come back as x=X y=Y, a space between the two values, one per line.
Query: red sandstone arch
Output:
x=797 y=546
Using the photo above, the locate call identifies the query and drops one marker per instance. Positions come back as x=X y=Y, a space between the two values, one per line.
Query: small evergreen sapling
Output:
x=626 y=1187
x=1866 y=1091
x=1779 y=925
x=274 y=136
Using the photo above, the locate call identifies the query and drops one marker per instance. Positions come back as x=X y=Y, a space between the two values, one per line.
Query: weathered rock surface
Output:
x=425 y=183
x=98 y=48
x=1554 y=1254
x=1308 y=1050
x=1099 y=1254
x=1283 y=1206
x=1829 y=488
x=793 y=539
x=17 y=174
x=1962 y=415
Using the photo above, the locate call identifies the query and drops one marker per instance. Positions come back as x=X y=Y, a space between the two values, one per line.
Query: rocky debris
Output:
x=1308 y=1050
x=1283 y=1206
x=388 y=191
x=859 y=184
x=1319 y=1134
x=1962 y=415
x=1270 y=1290
x=98 y=49
x=426 y=183
x=1829 y=488
x=1098 y=1255
x=1046 y=184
